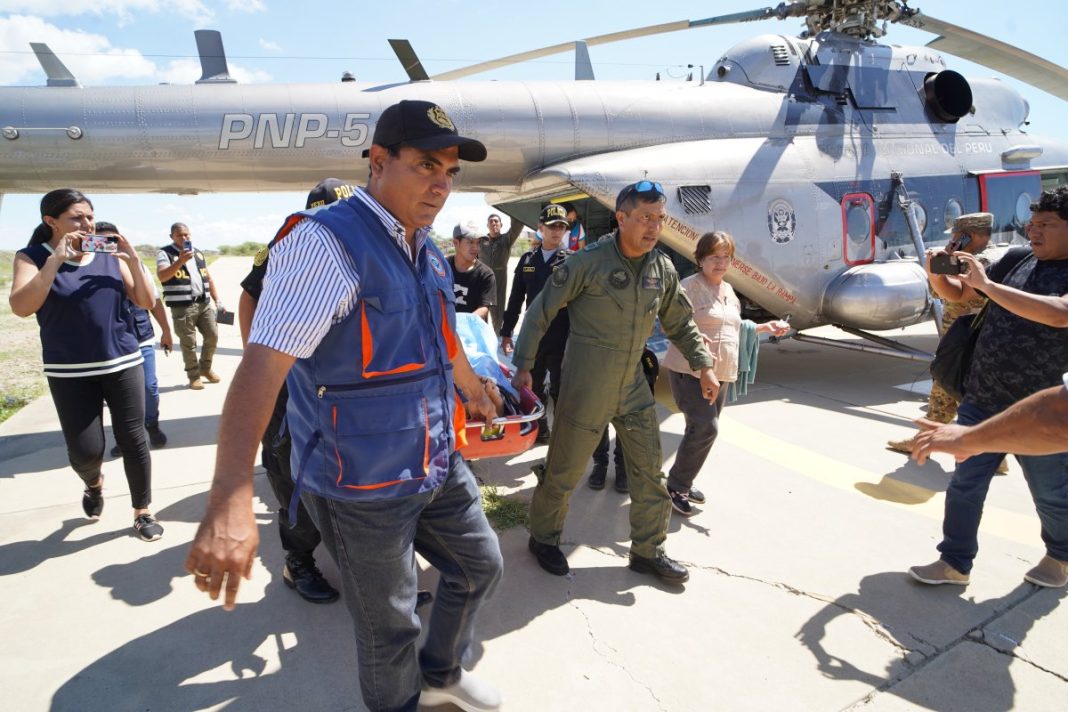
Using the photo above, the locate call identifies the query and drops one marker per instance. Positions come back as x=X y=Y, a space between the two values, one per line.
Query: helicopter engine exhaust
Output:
x=948 y=95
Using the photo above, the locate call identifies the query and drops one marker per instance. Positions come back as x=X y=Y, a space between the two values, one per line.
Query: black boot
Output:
x=156 y=438
x=621 y=478
x=304 y=577
x=597 y=476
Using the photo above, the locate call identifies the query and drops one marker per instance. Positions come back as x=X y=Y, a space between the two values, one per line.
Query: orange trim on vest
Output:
x=426 y=438
x=459 y=422
x=451 y=347
x=337 y=453
x=369 y=350
x=288 y=225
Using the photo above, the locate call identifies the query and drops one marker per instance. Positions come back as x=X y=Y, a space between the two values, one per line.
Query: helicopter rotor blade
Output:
x=781 y=12
x=999 y=56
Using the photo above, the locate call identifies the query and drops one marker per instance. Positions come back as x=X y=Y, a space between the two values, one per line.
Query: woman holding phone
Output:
x=75 y=285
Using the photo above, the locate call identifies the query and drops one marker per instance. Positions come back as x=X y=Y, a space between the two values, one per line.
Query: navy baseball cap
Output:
x=327 y=191
x=553 y=213
x=423 y=124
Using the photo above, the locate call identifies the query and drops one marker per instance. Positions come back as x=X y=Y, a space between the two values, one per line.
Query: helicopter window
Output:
x=1023 y=210
x=1008 y=197
x=858 y=226
x=696 y=199
x=954 y=210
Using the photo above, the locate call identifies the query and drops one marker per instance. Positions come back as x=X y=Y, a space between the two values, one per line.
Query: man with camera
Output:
x=971 y=234
x=1021 y=348
x=186 y=291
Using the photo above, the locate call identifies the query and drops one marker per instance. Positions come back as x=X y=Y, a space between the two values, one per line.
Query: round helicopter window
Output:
x=1023 y=209
x=858 y=222
x=953 y=211
x=920 y=214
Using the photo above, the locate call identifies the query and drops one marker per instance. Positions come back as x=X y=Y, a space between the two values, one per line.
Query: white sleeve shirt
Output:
x=311 y=284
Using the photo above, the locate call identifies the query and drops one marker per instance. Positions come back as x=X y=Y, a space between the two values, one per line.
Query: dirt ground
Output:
x=21 y=379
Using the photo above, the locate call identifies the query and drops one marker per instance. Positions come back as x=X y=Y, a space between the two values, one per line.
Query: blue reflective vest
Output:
x=370 y=412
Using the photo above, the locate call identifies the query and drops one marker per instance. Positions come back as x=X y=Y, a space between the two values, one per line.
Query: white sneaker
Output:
x=468 y=693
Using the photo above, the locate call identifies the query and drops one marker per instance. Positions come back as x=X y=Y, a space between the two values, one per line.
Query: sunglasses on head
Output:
x=642 y=186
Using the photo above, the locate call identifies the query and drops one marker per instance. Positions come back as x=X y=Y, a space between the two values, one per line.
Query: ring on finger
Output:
x=199 y=574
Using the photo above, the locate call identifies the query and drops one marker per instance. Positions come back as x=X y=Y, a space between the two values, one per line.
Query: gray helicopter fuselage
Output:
x=769 y=148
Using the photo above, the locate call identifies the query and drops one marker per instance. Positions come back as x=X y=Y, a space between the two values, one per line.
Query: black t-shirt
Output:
x=475 y=288
x=1015 y=357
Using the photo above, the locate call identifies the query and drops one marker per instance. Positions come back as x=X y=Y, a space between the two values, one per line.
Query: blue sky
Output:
x=150 y=41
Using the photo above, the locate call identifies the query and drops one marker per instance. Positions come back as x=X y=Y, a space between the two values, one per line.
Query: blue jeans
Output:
x=374 y=544
x=151 y=386
x=1047 y=478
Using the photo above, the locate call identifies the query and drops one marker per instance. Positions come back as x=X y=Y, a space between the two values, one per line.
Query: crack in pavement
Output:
x=597 y=645
x=980 y=637
x=974 y=634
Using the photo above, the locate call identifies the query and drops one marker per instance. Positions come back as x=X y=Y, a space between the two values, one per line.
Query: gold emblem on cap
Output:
x=437 y=115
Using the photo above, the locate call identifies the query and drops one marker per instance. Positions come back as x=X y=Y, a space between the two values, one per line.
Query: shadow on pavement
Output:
x=896 y=607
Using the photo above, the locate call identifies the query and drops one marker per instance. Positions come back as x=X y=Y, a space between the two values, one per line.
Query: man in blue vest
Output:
x=358 y=309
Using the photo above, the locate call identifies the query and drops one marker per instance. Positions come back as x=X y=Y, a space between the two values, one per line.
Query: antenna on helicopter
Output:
x=212 y=58
x=409 y=60
x=583 y=66
x=57 y=72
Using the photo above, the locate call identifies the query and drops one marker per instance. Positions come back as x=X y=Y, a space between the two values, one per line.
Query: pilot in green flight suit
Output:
x=613 y=289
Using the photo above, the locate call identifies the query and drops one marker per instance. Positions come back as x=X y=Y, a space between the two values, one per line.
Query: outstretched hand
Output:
x=224 y=549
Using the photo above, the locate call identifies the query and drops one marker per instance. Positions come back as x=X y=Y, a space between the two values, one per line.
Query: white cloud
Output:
x=195 y=10
x=270 y=46
x=187 y=71
x=91 y=58
x=249 y=6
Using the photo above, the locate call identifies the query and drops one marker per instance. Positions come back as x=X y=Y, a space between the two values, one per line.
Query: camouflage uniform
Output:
x=942 y=407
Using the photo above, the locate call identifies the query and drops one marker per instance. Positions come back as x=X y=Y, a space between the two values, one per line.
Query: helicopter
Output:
x=833 y=159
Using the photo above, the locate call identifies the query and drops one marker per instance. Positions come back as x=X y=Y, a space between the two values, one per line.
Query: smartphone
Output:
x=100 y=243
x=958 y=244
x=187 y=245
x=943 y=263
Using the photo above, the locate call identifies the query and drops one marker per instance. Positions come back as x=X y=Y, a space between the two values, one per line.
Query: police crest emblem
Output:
x=439 y=118
x=781 y=221
x=261 y=256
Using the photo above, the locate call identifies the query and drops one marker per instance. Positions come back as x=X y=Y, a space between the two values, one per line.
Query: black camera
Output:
x=943 y=263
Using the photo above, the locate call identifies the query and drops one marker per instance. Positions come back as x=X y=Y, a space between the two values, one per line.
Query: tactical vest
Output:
x=178 y=290
x=370 y=412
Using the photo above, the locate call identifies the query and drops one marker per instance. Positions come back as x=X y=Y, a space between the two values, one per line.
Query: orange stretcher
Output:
x=507 y=435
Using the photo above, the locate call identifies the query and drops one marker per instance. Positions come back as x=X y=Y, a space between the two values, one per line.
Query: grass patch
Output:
x=503 y=513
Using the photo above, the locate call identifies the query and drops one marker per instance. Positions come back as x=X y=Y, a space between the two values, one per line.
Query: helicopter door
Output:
x=858 y=228
x=1008 y=196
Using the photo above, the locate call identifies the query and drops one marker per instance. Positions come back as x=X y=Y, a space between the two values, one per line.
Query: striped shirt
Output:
x=312 y=284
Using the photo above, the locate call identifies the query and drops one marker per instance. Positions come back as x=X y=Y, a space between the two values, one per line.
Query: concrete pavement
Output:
x=797 y=599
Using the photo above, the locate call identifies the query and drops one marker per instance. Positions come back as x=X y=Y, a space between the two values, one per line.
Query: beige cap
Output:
x=974 y=222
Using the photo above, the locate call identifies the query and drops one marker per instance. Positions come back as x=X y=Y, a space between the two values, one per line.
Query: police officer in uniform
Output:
x=613 y=289
x=186 y=289
x=531 y=274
